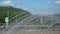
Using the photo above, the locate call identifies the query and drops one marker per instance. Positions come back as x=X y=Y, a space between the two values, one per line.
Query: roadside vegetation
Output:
x=10 y=12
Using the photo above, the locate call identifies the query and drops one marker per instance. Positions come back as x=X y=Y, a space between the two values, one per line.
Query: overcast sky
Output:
x=34 y=6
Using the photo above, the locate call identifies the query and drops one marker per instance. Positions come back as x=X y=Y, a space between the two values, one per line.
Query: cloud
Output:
x=57 y=2
x=6 y=2
x=24 y=8
x=48 y=2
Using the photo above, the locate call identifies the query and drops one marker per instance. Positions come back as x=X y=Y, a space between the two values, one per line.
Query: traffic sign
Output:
x=6 y=19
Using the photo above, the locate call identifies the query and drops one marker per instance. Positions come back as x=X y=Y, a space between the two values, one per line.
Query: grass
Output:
x=11 y=12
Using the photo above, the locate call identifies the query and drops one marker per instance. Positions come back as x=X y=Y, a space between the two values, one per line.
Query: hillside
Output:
x=12 y=13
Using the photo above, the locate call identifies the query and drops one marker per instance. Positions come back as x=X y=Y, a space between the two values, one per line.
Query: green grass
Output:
x=11 y=12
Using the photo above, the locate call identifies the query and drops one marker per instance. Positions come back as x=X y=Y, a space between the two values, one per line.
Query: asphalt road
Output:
x=32 y=32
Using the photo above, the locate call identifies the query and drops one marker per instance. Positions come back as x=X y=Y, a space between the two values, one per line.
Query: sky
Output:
x=34 y=6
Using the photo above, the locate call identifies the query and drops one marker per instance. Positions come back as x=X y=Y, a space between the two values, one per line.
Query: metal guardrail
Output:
x=54 y=23
x=10 y=20
x=16 y=16
x=3 y=25
x=16 y=21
